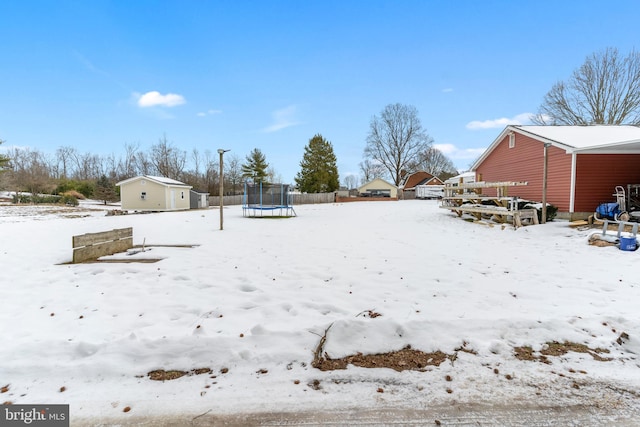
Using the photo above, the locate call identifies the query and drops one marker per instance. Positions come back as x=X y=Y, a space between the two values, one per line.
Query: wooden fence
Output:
x=92 y=246
x=296 y=199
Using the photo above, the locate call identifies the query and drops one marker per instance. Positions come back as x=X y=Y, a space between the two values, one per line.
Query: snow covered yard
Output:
x=251 y=304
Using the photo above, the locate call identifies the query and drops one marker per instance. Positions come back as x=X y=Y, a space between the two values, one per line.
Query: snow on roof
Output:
x=585 y=136
x=160 y=179
x=618 y=139
x=465 y=176
x=165 y=180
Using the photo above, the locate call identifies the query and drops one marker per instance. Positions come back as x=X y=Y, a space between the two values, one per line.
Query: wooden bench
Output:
x=466 y=198
x=92 y=246
x=501 y=213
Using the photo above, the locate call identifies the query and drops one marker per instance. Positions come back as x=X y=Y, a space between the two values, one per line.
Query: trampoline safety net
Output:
x=270 y=199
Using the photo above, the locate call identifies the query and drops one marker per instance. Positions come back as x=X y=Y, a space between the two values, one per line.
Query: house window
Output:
x=512 y=140
x=182 y=195
x=143 y=195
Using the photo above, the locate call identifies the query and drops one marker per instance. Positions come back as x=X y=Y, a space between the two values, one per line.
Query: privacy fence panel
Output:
x=296 y=199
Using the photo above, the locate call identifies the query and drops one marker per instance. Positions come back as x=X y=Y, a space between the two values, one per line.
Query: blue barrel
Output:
x=628 y=243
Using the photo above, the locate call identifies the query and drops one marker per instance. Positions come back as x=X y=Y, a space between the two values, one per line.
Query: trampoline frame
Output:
x=281 y=205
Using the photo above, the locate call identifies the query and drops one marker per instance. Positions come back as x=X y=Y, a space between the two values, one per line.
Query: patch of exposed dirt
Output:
x=162 y=375
x=601 y=241
x=555 y=348
x=623 y=338
x=400 y=360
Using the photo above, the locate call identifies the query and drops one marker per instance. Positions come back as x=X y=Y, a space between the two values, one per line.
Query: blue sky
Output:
x=97 y=75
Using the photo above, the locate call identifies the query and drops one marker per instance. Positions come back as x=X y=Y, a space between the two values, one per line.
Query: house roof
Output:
x=603 y=139
x=419 y=178
x=377 y=180
x=159 y=179
x=463 y=176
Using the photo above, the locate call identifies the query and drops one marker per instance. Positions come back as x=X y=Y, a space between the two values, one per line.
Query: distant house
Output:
x=154 y=193
x=378 y=188
x=584 y=164
x=417 y=181
x=463 y=178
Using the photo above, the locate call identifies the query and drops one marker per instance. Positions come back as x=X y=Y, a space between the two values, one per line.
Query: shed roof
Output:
x=159 y=179
x=603 y=139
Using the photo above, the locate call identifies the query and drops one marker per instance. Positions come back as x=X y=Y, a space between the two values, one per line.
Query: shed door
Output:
x=173 y=199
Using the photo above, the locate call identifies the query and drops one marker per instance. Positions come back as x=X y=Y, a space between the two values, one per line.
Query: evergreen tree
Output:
x=105 y=191
x=4 y=160
x=255 y=166
x=319 y=173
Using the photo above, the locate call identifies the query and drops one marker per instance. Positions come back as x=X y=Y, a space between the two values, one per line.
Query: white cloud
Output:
x=455 y=153
x=282 y=119
x=447 y=90
x=520 y=119
x=209 y=113
x=546 y=118
x=445 y=148
x=155 y=98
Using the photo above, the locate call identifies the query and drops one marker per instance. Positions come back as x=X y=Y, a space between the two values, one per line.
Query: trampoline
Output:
x=261 y=200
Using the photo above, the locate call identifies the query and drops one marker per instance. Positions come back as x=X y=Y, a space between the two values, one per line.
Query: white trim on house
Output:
x=572 y=189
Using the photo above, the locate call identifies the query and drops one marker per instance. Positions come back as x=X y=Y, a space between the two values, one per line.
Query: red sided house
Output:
x=584 y=164
x=410 y=181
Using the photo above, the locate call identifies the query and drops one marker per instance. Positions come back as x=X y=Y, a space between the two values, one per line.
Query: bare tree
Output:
x=195 y=157
x=395 y=138
x=371 y=170
x=273 y=176
x=31 y=171
x=110 y=166
x=233 y=173
x=211 y=172
x=144 y=163
x=128 y=165
x=89 y=166
x=604 y=90
x=350 y=181
x=64 y=156
x=167 y=160
x=433 y=161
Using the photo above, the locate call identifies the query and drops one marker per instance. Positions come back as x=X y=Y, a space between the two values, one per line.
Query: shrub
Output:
x=45 y=198
x=86 y=188
x=69 y=199
x=551 y=209
x=74 y=193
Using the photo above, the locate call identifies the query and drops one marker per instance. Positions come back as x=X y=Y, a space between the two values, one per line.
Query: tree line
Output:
x=68 y=168
x=91 y=175
x=605 y=89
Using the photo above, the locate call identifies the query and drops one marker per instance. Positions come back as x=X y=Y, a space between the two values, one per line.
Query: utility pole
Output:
x=221 y=152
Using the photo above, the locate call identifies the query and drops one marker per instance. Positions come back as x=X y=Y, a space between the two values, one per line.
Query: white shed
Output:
x=154 y=193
